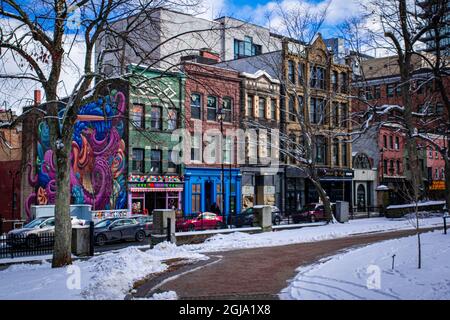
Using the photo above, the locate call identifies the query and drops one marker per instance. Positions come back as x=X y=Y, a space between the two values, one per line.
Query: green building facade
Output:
x=155 y=180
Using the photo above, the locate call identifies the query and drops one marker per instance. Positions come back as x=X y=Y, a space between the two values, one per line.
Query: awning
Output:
x=156 y=189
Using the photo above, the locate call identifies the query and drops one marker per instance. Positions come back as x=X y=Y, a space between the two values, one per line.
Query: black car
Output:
x=247 y=217
x=117 y=229
x=146 y=221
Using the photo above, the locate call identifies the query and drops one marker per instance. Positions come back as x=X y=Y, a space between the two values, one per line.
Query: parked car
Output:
x=312 y=212
x=146 y=221
x=32 y=234
x=203 y=221
x=117 y=229
x=247 y=217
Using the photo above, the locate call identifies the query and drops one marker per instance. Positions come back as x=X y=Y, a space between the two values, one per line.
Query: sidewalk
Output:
x=259 y=273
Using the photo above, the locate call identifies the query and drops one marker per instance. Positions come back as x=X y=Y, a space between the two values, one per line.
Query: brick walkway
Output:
x=259 y=273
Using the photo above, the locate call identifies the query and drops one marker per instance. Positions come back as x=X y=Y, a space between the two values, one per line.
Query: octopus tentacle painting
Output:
x=98 y=158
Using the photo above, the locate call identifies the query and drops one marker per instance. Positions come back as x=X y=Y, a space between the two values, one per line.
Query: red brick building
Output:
x=211 y=93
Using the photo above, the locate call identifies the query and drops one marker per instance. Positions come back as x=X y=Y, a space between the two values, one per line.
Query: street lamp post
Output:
x=222 y=189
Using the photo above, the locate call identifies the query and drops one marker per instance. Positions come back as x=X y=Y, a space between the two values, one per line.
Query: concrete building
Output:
x=164 y=36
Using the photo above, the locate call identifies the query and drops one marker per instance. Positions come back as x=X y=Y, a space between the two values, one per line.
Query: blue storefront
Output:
x=202 y=188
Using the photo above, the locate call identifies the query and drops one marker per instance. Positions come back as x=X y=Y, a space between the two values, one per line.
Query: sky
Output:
x=260 y=12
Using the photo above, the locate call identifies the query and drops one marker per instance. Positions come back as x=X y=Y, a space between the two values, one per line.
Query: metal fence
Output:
x=13 y=246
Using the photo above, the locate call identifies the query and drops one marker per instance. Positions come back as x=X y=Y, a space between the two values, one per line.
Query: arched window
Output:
x=361 y=161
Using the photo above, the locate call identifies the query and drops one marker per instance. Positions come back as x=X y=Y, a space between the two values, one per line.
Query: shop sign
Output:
x=437 y=185
x=149 y=178
x=156 y=185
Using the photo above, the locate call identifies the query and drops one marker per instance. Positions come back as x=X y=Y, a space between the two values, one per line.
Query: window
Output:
x=436 y=153
x=195 y=197
x=334 y=81
x=390 y=90
x=336 y=152
x=369 y=95
x=137 y=116
x=344 y=154
x=391 y=142
x=312 y=77
x=316 y=112
x=439 y=109
x=317 y=77
x=171 y=119
x=398 y=168
x=398 y=89
x=155 y=161
x=291 y=71
x=196 y=106
x=397 y=143
x=385 y=141
x=212 y=108
x=436 y=174
x=269 y=144
x=138 y=160
x=343 y=82
x=321 y=150
x=300 y=106
x=155 y=118
x=273 y=109
x=385 y=167
x=262 y=108
x=227 y=150
x=391 y=167
x=246 y=48
x=173 y=160
x=300 y=73
x=227 y=107
x=377 y=91
x=250 y=106
x=443 y=174
x=344 y=115
x=195 y=148
x=335 y=114
x=292 y=115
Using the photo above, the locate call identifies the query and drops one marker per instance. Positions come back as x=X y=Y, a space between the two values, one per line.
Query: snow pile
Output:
x=168 y=295
x=107 y=276
x=367 y=273
x=113 y=274
x=240 y=240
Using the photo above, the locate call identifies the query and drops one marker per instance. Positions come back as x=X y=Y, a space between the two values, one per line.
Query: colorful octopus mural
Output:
x=98 y=158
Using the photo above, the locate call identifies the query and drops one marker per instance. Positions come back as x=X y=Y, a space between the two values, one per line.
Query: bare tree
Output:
x=39 y=35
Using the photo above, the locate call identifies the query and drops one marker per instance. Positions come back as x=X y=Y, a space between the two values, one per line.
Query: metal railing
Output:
x=23 y=245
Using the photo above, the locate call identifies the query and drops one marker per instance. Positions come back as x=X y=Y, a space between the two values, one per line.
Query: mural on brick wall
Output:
x=98 y=158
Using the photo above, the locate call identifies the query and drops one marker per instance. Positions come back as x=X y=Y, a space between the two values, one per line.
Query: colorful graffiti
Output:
x=98 y=158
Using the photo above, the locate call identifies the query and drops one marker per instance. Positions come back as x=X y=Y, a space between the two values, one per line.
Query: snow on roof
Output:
x=382 y=187
x=258 y=74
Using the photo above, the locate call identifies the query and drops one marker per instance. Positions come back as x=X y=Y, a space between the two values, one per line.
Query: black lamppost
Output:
x=13 y=175
x=222 y=189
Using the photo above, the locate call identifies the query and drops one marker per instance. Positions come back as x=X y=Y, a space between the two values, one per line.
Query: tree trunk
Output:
x=325 y=199
x=62 y=252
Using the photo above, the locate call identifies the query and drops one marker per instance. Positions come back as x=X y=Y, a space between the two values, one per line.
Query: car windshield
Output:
x=35 y=223
x=103 y=223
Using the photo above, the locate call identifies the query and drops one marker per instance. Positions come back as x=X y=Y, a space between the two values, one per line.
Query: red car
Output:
x=204 y=221
x=312 y=212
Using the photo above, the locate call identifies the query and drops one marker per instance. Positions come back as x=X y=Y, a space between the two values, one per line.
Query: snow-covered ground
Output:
x=112 y=275
x=107 y=276
x=367 y=273
x=240 y=240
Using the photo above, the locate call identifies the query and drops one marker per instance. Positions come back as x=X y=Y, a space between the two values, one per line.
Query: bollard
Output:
x=169 y=231
x=393 y=261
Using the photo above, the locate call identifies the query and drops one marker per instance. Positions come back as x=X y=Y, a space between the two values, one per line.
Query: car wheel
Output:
x=277 y=221
x=100 y=240
x=220 y=225
x=191 y=227
x=312 y=218
x=32 y=241
x=140 y=236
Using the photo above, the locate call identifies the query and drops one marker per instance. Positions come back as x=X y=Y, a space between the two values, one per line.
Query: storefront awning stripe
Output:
x=156 y=189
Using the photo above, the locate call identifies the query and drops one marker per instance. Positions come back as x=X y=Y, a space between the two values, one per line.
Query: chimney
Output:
x=209 y=54
x=37 y=97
